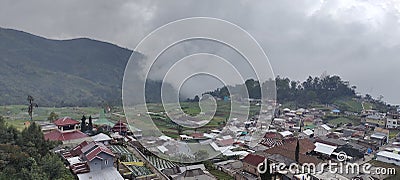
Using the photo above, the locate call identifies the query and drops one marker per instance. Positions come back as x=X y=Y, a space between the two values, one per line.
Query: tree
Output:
x=27 y=155
x=196 y=98
x=52 y=117
x=83 y=123
x=179 y=128
x=90 y=125
x=297 y=152
x=31 y=106
x=54 y=167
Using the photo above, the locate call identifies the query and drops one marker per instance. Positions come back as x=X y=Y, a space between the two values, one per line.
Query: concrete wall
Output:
x=251 y=169
x=106 y=158
x=95 y=165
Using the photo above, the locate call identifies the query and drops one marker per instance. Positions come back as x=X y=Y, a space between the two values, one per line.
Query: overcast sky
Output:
x=358 y=40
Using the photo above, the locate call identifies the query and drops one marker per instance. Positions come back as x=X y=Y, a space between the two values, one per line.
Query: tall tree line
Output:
x=322 y=90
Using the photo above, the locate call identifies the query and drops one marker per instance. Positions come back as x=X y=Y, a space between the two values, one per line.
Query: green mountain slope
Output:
x=78 y=72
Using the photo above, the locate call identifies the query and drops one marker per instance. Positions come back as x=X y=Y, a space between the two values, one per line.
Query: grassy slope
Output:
x=16 y=115
x=349 y=105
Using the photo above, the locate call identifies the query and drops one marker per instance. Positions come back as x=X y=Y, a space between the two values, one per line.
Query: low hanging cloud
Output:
x=358 y=40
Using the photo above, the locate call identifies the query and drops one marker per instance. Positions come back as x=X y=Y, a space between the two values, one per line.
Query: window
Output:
x=106 y=162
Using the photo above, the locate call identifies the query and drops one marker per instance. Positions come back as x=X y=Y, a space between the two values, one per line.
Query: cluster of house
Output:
x=88 y=156
x=91 y=157
x=319 y=142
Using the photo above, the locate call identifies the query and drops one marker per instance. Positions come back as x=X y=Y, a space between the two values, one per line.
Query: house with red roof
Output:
x=225 y=142
x=198 y=135
x=120 y=127
x=67 y=131
x=289 y=147
x=98 y=156
x=250 y=164
x=92 y=160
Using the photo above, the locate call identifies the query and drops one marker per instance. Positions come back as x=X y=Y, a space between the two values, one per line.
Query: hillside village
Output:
x=100 y=147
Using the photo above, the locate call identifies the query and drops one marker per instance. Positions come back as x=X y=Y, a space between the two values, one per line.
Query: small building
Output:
x=250 y=164
x=388 y=157
x=97 y=156
x=322 y=130
x=184 y=137
x=102 y=138
x=380 y=135
x=198 y=135
x=230 y=166
x=92 y=160
x=120 y=127
x=336 y=111
x=376 y=119
x=46 y=126
x=308 y=133
x=392 y=121
x=225 y=142
x=286 y=133
x=324 y=149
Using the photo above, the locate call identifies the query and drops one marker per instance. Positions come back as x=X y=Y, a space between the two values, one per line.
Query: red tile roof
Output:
x=286 y=152
x=225 y=142
x=119 y=126
x=308 y=119
x=253 y=159
x=57 y=135
x=96 y=151
x=80 y=168
x=306 y=145
x=76 y=151
x=197 y=135
x=65 y=121
x=271 y=135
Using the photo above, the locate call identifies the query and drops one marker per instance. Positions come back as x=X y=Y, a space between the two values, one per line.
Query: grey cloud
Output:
x=358 y=40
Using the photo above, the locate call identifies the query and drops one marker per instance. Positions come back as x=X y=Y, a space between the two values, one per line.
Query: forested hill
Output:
x=77 y=72
x=313 y=91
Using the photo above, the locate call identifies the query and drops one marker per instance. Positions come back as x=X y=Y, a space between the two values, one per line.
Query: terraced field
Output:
x=119 y=149
x=136 y=171
x=161 y=163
